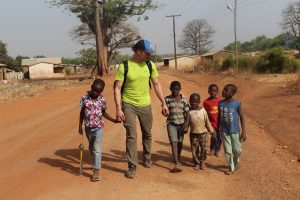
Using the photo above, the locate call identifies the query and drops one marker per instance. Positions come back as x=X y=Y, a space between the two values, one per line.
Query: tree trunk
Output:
x=99 y=40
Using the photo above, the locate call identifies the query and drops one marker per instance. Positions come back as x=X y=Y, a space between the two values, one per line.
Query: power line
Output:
x=253 y=3
x=178 y=5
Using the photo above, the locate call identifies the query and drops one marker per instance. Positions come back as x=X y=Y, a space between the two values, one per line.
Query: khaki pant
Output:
x=144 y=115
x=232 y=148
x=198 y=147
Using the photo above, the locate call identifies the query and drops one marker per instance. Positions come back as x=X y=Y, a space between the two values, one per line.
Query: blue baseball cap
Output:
x=143 y=45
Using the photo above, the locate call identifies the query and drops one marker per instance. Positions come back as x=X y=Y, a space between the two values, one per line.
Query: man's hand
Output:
x=120 y=116
x=80 y=130
x=165 y=110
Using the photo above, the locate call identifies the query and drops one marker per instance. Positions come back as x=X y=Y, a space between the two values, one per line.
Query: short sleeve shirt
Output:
x=93 y=110
x=211 y=107
x=176 y=109
x=136 y=88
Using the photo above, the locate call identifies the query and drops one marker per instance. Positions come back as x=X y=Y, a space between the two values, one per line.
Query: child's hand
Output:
x=117 y=121
x=186 y=130
x=243 y=137
x=80 y=130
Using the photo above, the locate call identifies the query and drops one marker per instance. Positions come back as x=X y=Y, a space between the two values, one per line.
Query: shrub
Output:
x=291 y=65
x=246 y=63
x=271 y=62
x=208 y=65
x=228 y=63
x=274 y=61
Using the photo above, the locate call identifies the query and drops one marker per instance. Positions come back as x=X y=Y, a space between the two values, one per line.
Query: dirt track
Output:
x=39 y=152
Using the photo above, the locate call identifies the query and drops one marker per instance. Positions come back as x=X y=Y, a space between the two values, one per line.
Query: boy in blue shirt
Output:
x=229 y=115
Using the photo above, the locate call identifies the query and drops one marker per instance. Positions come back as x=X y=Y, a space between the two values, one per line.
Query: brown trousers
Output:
x=144 y=115
x=198 y=147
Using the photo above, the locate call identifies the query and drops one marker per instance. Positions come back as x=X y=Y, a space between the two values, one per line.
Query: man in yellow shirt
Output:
x=133 y=100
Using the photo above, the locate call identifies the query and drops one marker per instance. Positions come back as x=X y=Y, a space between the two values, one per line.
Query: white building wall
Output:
x=43 y=70
x=185 y=63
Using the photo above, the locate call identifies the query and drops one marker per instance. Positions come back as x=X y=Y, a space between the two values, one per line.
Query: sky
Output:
x=31 y=27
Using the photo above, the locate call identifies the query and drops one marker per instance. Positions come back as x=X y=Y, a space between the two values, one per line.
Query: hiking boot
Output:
x=130 y=173
x=197 y=167
x=148 y=163
x=202 y=166
x=96 y=176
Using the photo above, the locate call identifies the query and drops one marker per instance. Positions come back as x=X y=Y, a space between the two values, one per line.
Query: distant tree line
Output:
x=262 y=43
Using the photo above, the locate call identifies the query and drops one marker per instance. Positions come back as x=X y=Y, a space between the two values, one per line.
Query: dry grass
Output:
x=18 y=89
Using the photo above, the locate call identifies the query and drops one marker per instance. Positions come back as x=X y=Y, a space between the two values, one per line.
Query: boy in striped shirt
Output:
x=178 y=109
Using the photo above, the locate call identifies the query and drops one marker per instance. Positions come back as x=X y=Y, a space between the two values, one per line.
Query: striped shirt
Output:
x=176 y=109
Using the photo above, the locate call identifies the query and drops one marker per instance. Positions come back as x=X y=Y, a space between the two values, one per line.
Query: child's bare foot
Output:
x=202 y=166
x=211 y=152
x=197 y=167
x=228 y=172
x=176 y=168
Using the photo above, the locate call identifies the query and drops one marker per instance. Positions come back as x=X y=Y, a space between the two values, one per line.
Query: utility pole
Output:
x=174 y=36
x=235 y=36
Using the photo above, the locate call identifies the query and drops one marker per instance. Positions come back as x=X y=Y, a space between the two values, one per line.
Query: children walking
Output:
x=93 y=107
x=200 y=127
x=229 y=115
x=178 y=109
x=211 y=107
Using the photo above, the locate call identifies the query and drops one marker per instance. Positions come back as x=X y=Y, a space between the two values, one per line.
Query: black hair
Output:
x=232 y=88
x=213 y=85
x=99 y=82
x=175 y=84
x=195 y=95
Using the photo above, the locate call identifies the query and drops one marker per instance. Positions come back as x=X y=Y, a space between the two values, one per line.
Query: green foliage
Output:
x=118 y=58
x=74 y=61
x=291 y=65
x=18 y=63
x=113 y=15
x=271 y=62
x=246 y=63
x=6 y=59
x=88 y=57
x=260 y=43
x=3 y=52
x=39 y=56
x=228 y=63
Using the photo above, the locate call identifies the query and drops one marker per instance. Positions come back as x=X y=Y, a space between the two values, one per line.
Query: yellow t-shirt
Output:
x=136 y=88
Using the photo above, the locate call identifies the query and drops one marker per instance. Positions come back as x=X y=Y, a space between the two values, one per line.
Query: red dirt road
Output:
x=39 y=152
